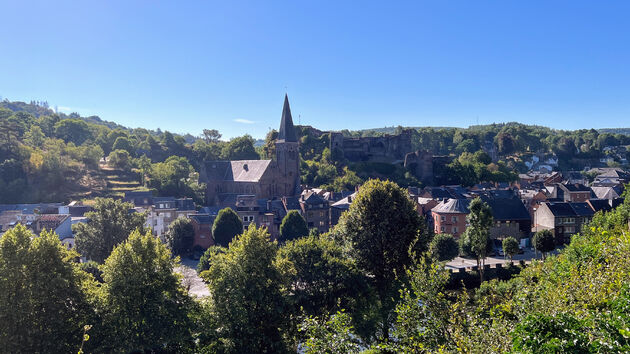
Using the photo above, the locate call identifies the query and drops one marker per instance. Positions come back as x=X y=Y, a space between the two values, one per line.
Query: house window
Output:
x=168 y=215
x=202 y=236
x=441 y=228
x=321 y=223
x=248 y=218
x=443 y=218
x=454 y=218
x=454 y=229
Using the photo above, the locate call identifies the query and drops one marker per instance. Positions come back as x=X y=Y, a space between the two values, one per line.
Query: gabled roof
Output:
x=507 y=209
x=561 y=209
x=313 y=198
x=287 y=131
x=202 y=218
x=452 y=206
x=577 y=187
x=238 y=171
x=606 y=192
x=582 y=209
x=600 y=205
x=345 y=202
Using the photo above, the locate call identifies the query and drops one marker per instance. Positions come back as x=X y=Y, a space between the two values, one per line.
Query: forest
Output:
x=51 y=157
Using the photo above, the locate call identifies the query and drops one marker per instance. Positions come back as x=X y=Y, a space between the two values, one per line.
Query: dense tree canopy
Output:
x=145 y=306
x=293 y=226
x=226 y=226
x=180 y=236
x=383 y=232
x=246 y=287
x=109 y=224
x=43 y=306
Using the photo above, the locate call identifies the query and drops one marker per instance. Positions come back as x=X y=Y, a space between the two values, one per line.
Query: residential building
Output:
x=562 y=218
x=315 y=210
x=202 y=224
x=450 y=216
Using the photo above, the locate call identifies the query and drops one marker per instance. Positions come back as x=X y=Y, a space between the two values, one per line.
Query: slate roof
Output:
x=606 y=192
x=577 y=187
x=238 y=171
x=600 y=205
x=452 y=206
x=313 y=198
x=287 y=131
x=507 y=209
x=561 y=209
x=345 y=202
x=202 y=218
x=30 y=208
x=582 y=209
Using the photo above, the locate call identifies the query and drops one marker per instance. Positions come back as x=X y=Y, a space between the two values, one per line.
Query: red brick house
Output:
x=202 y=223
x=449 y=217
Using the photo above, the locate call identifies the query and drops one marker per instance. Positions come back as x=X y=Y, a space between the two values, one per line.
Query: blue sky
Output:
x=184 y=66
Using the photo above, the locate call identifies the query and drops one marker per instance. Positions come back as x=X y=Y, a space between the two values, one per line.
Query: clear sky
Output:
x=184 y=65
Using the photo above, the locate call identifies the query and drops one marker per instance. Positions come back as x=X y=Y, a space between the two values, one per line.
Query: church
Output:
x=264 y=179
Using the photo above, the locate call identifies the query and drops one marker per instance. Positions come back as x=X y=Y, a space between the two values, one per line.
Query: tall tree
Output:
x=109 y=224
x=479 y=223
x=544 y=242
x=293 y=226
x=211 y=135
x=145 y=308
x=180 y=235
x=246 y=295
x=226 y=225
x=383 y=231
x=43 y=306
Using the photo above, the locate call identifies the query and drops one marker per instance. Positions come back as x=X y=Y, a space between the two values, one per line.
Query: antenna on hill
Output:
x=299 y=119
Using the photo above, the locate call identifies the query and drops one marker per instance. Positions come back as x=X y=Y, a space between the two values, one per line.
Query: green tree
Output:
x=43 y=302
x=35 y=136
x=240 y=148
x=246 y=295
x=293 y=226
x=425 y=313
x=323 y=279
x=144 y=164
x=123 y=143
x=109 y=224
x=510 y=247
x=180 y=236
x=120 y=159
x=383 y=232
x=226 y=225
x=331 y=335
x=211 y=135
x=73 y=130
x=543 y=242
x=145 y=308
x=206 y=258
x=443 y=247
x=480 y=221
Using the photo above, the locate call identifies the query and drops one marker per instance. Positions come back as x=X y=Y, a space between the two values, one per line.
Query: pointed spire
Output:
x=287 y=131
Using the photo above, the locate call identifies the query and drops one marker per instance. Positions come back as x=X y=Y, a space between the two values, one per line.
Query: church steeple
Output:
x=287 y=131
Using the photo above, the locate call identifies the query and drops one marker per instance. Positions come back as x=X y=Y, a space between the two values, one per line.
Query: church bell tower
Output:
x=287 y=154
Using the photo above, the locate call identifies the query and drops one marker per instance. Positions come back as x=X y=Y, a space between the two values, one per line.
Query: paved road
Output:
x=191 y=280
x=460 y=262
